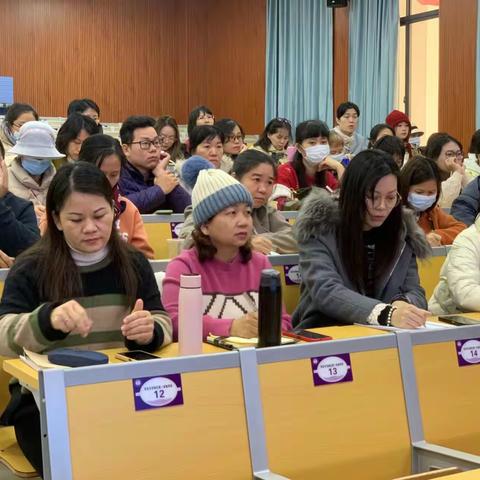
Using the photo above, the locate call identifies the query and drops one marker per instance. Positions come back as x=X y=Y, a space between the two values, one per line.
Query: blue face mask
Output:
x=35 y=166
x=421 y=202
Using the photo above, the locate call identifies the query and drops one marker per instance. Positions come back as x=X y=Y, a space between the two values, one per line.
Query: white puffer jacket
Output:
x=459 y=286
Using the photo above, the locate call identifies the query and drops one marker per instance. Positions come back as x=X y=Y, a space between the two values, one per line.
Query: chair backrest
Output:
x=447 y=374
x=100 y=414
x=352 y=429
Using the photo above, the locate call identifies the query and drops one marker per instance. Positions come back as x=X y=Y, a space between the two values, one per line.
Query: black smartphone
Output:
x=458 y=320
x=136 y=355
x=306 y=335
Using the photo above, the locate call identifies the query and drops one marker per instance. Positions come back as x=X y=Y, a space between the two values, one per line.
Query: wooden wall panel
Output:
x=138 y=56
x=456 y=112
x=226 y=60
x=340 y=57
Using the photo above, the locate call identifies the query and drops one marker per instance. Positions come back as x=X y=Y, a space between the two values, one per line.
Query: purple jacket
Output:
x=149 y=197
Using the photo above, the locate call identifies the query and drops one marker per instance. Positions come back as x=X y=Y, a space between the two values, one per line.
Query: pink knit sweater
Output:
x=229 y=289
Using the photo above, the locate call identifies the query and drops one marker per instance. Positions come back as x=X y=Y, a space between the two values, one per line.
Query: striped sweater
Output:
x=25 y=315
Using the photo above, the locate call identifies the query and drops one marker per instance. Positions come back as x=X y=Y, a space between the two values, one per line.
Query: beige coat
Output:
x=23 y=185
x=459 y=286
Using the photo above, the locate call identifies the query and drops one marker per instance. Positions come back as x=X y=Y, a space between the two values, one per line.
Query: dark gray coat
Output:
x=327 y=294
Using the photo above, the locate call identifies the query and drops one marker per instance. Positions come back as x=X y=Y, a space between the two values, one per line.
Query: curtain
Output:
x=373 y=37
x=299 y=60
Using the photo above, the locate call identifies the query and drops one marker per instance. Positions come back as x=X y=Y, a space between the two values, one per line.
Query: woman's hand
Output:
x=5 y=260
x=330 y=164
x=71 y=317
x=434 y=239
x=453 y=165
x=139 y=325
x=408 y=316
x=246 y=326
x=262 y=244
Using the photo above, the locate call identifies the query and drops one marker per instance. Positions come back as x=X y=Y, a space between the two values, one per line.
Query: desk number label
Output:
x=468 y=351
x=176 y=228
x=331 y=369
x=292 y=275
x=157 y=392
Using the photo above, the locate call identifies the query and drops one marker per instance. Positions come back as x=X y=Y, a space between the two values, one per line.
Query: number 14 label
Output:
x=332 y=369
x=468 y=351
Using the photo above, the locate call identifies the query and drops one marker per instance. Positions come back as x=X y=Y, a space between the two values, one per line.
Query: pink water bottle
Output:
x=190 y=315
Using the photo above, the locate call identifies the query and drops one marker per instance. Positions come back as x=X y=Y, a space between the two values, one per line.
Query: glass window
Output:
x=422 y=6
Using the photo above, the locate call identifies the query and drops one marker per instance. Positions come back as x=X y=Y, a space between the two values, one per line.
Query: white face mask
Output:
x=317 y=153
x=421 y=202
x=414 y=141
x=338 y=157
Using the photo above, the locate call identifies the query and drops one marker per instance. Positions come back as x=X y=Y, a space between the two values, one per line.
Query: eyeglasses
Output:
x=147 y=144
x=234 y=138
x=390 y=201
x=204 y=116
x=170 y=138
x=452 y=154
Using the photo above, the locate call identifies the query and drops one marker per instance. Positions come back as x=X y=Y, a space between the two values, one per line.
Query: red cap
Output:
x=395 y=117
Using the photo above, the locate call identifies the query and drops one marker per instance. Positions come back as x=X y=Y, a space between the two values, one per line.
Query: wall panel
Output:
x=340 y=57
x=456 y=112
x=138 y=56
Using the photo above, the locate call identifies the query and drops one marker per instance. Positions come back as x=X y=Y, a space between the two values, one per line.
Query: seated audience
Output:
x=144 y=179
x=420 y=187
x=257 y=172
x=337 y=148
x=347 y=121
x=377 y=132
x=80 y=286
x=394 y=146
x=233 y=143
x=459 y=287
x=207 y=142
x=466 y=206
x=415 y=140
x=201 y=115
x=32 y=170
x=358 y=256
x=70 y=136
x=17 y=115
x=447 y=152
x=274 y=139
x=471 y=163
x=88 y=107
x=106 y=153
x=311 y=165
x=402 y=127
x=222 y=255
x=18 y=223
x=169 y=136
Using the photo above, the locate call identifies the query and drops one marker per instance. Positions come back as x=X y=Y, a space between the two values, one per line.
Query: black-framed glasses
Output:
x=390 y=201
x=147 y=144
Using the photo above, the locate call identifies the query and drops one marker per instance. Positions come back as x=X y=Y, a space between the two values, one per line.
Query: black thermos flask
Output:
x=270 y=309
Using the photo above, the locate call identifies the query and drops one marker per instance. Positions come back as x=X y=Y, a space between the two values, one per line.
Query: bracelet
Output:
x=389 y=316
x=385 y=317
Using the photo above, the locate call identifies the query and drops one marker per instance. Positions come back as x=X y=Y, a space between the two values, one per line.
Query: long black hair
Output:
x=358 y=183
x=59 y=277
x=304 y=130
x=273 y=126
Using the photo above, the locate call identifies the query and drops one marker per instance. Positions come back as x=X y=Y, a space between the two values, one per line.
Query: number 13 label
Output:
x=468 y=351
x=157 y=392
x=331 y=369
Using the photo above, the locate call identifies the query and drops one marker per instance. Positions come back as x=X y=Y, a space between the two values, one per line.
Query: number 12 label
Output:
x=332 y=369
x=157 y=392
x=468 y=351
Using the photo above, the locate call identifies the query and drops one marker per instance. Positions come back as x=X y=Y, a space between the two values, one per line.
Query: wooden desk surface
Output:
x=470 y=475
x=19 y=369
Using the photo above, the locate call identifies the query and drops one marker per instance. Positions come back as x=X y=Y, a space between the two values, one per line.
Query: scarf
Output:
x=8 y=133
